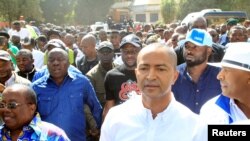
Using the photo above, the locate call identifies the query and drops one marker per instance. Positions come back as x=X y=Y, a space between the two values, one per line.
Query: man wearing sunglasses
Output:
x=18 y=109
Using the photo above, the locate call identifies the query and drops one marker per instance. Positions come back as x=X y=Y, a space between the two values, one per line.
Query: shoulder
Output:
x=215 y=70
x=181 y=67
x=212 y=113
x=37 y=52
x=53 y=131
x=131 y=108
x=114 y=70
x=82 y=59
x=182 y=111
x=209 y=104
x=93 y=71
x=21 y=80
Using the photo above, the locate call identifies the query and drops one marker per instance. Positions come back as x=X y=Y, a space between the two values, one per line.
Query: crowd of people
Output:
x=165 y=82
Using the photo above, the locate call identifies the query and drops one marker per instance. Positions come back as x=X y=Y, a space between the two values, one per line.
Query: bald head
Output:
x=23 y=90
x=89 y=39
x=198 y=22
x=158 y=48
x=58 y=50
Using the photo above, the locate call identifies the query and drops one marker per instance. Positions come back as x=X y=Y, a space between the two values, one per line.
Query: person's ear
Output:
x=209 y=51
x=248 y=80
x=33 y=108
x=176 y=74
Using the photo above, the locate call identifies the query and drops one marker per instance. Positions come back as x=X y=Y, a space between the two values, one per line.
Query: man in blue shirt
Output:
x=61 y=95
x=197 y=81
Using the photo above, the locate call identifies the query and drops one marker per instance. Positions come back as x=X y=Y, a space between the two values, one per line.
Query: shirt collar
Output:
x=224 y=103
x=33 y=125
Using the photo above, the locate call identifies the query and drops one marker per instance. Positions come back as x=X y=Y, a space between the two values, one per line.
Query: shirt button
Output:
x=197 y=90
x=196 y=103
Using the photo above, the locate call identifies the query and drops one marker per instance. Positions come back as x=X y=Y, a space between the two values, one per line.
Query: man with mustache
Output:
x=197 y=81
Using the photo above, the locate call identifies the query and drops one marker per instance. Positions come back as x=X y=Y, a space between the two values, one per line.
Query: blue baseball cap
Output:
x=199 y=37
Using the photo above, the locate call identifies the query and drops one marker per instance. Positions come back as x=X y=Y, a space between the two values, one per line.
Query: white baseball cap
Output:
x=199 y=37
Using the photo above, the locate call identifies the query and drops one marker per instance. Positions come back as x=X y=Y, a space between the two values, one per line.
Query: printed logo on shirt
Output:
x=126 y=88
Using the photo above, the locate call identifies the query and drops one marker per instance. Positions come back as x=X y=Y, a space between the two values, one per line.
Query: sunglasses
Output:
x=11 y=105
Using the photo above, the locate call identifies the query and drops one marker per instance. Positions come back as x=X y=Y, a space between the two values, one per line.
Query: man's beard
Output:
x=197 y=61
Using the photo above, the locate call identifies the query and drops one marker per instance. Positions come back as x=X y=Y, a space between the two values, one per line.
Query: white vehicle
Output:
x=216 y=16
x=98 y=26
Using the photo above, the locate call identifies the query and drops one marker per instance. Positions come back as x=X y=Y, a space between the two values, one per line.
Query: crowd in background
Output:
x=78 y=75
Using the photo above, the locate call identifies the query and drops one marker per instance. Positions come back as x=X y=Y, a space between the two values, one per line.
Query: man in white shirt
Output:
x=29 y=43
x=233 y=104
x=154 y=115
x=18 y=30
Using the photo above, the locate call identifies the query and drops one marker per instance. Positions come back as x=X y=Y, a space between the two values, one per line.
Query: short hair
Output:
x=25 y=52
x=90 y=37
x=64 y=52
x=194 y=19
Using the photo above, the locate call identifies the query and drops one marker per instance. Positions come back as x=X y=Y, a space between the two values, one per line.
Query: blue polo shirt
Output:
x=63 y=105
x=194 y=95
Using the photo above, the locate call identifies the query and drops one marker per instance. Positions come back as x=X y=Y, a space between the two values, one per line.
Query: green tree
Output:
x=58 y=12
x=90 y=11
x=8 y=10
x=11 y=10
x=168 y=10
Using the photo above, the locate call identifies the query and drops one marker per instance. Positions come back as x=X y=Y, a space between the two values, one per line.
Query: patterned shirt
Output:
x=37 y=130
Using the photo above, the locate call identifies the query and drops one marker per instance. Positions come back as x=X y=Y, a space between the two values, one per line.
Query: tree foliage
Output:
x=13 y=9
x=58 y=11
x=90 y=11
x=168 y=10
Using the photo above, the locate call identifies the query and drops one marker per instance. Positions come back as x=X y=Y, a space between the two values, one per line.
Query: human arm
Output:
x=93 y=102
x=109 y=104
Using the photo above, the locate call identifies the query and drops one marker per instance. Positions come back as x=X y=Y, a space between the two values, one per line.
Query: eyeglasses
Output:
x=11 y=105
x=132 y=52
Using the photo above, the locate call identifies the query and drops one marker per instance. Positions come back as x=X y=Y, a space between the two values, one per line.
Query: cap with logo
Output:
x=131 y=39
x=199 y=37
x=4 y=55
x=105 y=44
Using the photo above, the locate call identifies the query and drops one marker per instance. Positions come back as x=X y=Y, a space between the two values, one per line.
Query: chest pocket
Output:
x=76 y=101
x=44 y=105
